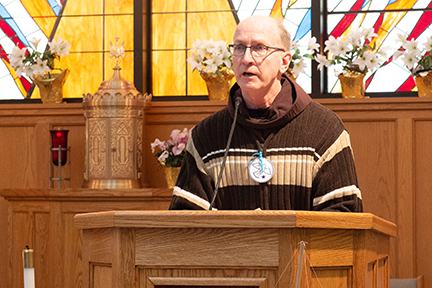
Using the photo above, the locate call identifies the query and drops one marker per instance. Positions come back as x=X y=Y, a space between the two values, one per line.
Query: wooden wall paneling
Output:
x=72 y=252
x=44 y=221
x=26 y=219
x=374 y=141
x=4 y=245
x=390 y=138
x=374 y=147
x=17 y=144
x=55 y=241
x=404 y=194
x=423 y=199
x=26 y=139
x=43 y=257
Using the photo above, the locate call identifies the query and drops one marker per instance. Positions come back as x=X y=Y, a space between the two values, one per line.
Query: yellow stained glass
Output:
x=77 y=7
x=41 y=8
x=92 y=74
x=119 y=26
x=169 y=31
x=194 y=5
x=126 y=65
x=169 y=73
x=196 y=85
x=38 y=8
x=118 y=6
x=168 y=6
x=389 y=22
x=201 y=26
x=83 y=33
x=85 y=76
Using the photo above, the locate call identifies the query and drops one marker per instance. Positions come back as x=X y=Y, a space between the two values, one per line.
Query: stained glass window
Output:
x=388 y=18
x=89 y=26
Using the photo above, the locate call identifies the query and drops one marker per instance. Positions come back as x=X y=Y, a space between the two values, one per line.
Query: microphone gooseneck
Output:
x=237 y=104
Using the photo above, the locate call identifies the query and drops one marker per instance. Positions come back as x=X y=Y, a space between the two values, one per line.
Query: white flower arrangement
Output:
x=32 y=62
x=297 y=64
x=413 y=58
x=210 y=56
x=353 y=52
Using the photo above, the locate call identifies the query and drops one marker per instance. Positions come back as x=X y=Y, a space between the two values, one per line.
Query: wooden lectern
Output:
x=167 y=249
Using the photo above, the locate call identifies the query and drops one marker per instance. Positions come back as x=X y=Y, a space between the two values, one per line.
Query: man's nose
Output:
x=247 y=57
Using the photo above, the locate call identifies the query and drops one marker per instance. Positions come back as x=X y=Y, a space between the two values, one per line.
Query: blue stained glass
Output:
x=297 y=19
x=392 y=1
x=54 y=5
x=12 y=24
x=366 y=3
x=304 y=27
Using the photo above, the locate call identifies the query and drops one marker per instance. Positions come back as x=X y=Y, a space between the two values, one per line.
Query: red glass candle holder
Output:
x=59 y=146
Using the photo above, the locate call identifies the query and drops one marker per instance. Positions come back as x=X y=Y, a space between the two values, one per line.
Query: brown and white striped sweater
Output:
x=307 y=144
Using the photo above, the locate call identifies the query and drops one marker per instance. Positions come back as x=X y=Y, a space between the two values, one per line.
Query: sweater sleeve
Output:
x=335 y=185
x=194 y=187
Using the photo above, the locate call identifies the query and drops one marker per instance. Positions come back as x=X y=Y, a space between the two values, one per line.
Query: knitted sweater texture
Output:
x=307 y=144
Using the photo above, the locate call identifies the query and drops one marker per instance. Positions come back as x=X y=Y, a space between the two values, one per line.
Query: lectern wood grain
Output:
x=200 y=250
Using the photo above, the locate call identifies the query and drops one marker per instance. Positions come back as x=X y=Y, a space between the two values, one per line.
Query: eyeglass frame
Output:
x=231 y=46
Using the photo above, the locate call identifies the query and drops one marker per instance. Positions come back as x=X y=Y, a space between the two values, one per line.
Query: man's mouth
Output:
x=248 y=74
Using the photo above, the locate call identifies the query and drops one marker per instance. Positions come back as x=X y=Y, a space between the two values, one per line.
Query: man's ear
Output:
x=286 y=60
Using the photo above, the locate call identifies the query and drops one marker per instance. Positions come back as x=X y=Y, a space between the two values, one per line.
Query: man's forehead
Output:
x=254 y=37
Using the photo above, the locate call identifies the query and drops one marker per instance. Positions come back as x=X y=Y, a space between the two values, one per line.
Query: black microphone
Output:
x=237 y=104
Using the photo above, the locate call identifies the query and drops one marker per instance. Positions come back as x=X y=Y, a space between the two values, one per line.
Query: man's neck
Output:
x=257 y=101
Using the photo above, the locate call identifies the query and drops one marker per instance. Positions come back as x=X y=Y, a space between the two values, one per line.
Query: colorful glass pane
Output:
x=169 y=73
x=114 y=27
x=205 y=25
x=387 y=25
x=177 y=24
x=169 y=31
x=119 y=7
x=83 y=24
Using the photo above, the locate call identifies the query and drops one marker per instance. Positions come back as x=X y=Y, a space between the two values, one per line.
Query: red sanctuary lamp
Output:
x=59 y=144
x=59 y=153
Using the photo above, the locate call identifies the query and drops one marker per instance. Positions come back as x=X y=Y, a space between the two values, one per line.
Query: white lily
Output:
x=210 y=56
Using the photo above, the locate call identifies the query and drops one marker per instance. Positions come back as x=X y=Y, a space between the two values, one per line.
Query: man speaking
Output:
x=285 y=150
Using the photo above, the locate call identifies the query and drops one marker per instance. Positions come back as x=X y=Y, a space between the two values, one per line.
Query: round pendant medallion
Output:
x=261 y=175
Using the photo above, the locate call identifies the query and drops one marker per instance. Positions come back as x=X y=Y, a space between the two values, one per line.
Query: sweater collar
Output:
x=290 y=102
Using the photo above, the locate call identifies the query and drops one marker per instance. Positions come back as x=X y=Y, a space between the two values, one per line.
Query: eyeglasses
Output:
x=256 y=50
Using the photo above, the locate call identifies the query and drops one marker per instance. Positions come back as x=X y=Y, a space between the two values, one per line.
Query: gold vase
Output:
x=424 y=84
x=217 y=86
x=51 y=86
x=352 y=85
x=171 y=175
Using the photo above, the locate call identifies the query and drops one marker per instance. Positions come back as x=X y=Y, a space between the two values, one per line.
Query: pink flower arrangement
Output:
x=171 y=152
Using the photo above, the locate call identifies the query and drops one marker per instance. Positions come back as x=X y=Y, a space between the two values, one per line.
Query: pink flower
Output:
x=171 y=152
x=175 y=135
x=157 y=143
x=177 y=150
x=184 y=136
x=163 y=156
